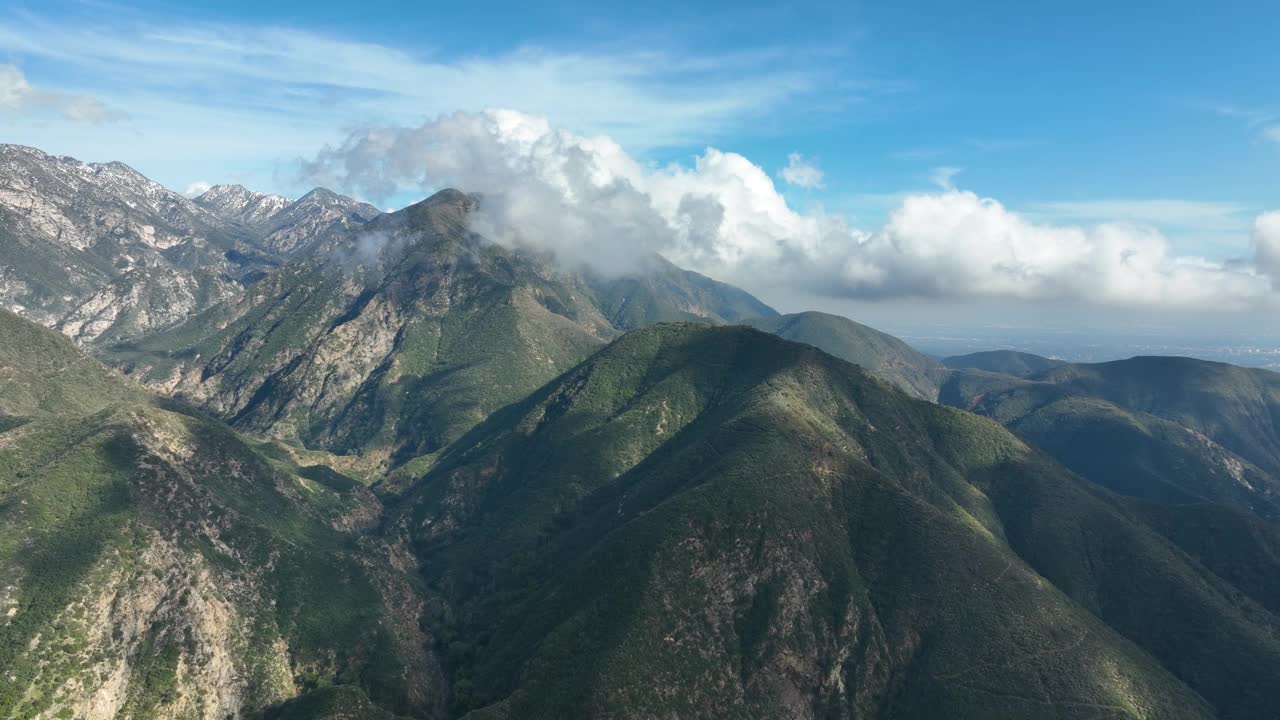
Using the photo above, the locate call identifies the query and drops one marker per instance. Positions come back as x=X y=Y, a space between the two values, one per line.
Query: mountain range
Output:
x=374 y=465
x=394 y=346
x=104 y=254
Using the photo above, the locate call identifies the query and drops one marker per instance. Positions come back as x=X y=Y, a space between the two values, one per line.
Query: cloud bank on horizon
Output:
x=588 y=200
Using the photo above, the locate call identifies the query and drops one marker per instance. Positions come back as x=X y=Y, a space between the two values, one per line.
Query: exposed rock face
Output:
x=238 y=203
x=314 y=222
x=286 y=226
x=102 y=251
x=106 y=255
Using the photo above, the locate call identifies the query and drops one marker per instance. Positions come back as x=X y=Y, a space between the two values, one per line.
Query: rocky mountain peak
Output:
x=240 y=204
x=314 y=222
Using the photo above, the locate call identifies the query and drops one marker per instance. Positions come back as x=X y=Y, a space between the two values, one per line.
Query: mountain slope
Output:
x=886 y=356
x=711 y=521
x=42 y=373
x=315 y=222
x=397 y=344
x=155 y=564
x=662 y=292
x=283 y=226
x=1237 y=407
x=1174 y=430
x=1009 y=362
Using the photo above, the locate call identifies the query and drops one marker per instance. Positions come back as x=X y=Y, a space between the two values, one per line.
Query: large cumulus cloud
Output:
x=589 y=201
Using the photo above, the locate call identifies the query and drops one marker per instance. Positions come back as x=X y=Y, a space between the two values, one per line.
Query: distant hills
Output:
x=1173 y=429
x=1008 y=362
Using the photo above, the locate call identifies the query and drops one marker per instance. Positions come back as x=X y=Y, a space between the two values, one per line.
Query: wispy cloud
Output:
x=802 y=173
x=279 y=92
x=944 y=177
x=1001 y=144
x=19 y=97
x=1195 y=215
x=1265 y=122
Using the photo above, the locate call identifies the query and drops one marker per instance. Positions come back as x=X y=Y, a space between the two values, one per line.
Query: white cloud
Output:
x=1266 y=239
x=802 y=173
x=15 y=93
x=944 y=177
x=589 y=201
x=197 y=188
x=17 y=96
x=1262 y=121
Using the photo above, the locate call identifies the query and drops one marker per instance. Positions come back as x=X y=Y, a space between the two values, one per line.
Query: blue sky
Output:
x=1161 y=114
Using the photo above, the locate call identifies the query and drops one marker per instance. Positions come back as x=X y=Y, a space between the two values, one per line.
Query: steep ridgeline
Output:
x=1007 y=362
x=884 y=355
x=663 y=292
x=287 y=227
x=104 y=254
x=705 y=521
x=1170 y=429
x=155 y=564
x=240 y=204
x=410 y=335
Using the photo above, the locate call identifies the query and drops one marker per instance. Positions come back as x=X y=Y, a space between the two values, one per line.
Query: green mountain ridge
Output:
x=710 y=521
x=696 y=520
x=415 y=334
x=888 y=357
x=1008 y=362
